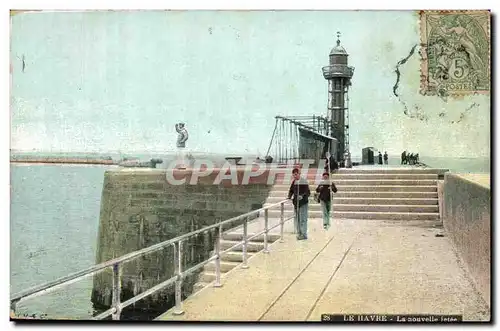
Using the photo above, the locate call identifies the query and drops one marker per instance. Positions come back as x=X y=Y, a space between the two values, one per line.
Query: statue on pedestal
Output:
x=181 y=144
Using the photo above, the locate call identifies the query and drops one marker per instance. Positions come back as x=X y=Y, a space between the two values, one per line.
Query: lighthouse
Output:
x=339 y=74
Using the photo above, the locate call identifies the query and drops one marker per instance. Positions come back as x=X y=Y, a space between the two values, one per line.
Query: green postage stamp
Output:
x=455 y=52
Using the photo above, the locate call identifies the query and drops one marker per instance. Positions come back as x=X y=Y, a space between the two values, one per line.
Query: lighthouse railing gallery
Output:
x=179 y=274
x=337 y=70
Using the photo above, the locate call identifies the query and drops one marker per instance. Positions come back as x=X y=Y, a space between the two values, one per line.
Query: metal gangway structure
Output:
x=297 y=138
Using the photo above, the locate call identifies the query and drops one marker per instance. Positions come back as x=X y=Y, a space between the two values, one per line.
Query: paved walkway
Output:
x=355 y=267
x=481 y=179
x=258 y=224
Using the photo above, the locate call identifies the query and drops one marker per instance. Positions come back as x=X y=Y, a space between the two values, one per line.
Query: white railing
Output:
x=176 y=244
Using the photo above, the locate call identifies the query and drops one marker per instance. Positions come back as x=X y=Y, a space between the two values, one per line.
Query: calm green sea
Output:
x=54 y=225
x=53 y=232
x=458 y=165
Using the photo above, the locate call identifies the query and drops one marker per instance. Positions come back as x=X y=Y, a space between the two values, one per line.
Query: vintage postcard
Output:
x=250 y=165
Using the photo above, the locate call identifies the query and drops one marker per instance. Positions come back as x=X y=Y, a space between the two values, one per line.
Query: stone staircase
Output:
x=234 y=258
x=402 y=194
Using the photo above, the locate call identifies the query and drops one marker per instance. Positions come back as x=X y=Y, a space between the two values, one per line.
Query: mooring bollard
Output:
x=178 y=282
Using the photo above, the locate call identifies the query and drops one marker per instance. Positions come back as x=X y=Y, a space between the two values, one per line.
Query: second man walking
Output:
x=325 y=198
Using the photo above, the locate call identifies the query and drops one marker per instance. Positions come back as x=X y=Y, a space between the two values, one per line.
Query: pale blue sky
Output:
x=108 y=81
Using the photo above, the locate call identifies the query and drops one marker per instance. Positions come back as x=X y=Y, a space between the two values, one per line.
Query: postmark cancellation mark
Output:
x=455 y=52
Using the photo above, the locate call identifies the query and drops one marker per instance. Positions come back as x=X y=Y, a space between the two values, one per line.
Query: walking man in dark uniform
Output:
x=299 y=192
x=325 y=198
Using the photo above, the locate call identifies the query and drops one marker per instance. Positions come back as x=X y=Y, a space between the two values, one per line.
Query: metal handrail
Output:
x=176 y=243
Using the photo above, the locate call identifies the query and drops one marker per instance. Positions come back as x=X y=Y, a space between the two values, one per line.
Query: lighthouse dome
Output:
x=338 y=50
x=338 y=54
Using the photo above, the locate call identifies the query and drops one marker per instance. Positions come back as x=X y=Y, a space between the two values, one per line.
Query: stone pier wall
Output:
x=466 y=218
x=139 y=208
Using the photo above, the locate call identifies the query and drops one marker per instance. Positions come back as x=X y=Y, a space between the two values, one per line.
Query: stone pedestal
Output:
x=181 y=158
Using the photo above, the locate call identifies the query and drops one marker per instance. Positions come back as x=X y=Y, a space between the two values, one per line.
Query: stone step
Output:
x=316 y=213
x=313 y=205
x=405 y=195
x=276 y=193
x=359 y=214
x=380 y=170
x=235 y=256
x=206 y=277
x=368 y=201
x=315 y=180
x=313 y=172
x=368 y=170
x=319 y=179
x=316 y=208
x=199 y=286
x=384 y=176
x=363 y=194
x=385 y=215
x=386 y=201
x=251 y=246
x=225 y=266
x=391 y=182
x=238 y=236
x=388 y=188
x=366 y=188
x=387 y=208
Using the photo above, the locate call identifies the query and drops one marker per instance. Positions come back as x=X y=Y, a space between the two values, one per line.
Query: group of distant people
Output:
x=386 y=158
x=409 y=158
x=406 y=158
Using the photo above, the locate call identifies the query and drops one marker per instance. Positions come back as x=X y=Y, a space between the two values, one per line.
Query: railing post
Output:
x=282 y=216
x=245 y=242
x=266 y=228
x=116 y=292
x=217 y=261
x=178 y=282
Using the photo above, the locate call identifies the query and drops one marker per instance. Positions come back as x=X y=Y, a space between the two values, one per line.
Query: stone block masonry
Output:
x=140 y=208
x=466 y=218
